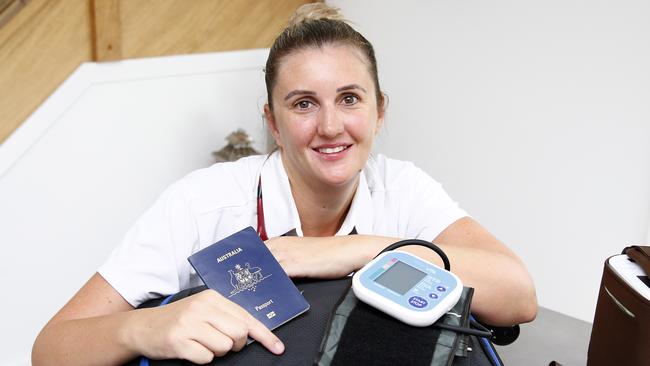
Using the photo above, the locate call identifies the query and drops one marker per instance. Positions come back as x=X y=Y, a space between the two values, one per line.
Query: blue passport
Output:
x=241 y=268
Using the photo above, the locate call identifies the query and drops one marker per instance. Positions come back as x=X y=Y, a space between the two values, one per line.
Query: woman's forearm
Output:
x=503 y=290
x=99 y=340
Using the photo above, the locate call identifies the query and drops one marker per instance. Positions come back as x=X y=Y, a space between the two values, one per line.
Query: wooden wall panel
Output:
x=39 y=47
x=163 y=27
x=107 y=30
x=9 y=8
x=42 y=44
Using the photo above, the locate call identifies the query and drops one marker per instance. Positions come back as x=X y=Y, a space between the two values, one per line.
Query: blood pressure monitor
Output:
x=407 y=287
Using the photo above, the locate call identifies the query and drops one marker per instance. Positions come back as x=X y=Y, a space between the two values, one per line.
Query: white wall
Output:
x=85 y=165
x=536 y=117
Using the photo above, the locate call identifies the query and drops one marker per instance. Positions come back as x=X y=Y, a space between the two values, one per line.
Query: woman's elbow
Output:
x=517 y=307
x=526 y=310
x=37 y=349
x=510 y=308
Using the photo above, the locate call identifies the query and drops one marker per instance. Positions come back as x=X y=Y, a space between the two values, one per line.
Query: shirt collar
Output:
x=281 y=215
x=360 y=214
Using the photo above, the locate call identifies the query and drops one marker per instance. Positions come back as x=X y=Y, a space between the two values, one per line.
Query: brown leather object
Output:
x=621 y=330
x=641 y=256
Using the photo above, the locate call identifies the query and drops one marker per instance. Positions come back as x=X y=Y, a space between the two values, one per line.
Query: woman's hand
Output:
x=198 y=328
x=97 y=326
x=325 y=257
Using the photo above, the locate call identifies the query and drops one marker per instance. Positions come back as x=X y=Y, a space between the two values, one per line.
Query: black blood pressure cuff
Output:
x=339 y=329
x=359 y=334
x=302 y=336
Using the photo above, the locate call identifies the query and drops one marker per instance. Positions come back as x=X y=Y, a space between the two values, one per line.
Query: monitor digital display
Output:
x=400 y=277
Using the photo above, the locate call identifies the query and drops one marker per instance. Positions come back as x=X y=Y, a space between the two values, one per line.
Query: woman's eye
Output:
x=350 y=99
x=303 y=104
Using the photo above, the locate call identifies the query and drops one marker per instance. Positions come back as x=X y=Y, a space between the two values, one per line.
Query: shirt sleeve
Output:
x=151 y=261
x=431 y=209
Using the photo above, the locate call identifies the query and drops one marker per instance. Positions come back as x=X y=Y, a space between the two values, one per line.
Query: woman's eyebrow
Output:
x=351 y=87
x=299 y=92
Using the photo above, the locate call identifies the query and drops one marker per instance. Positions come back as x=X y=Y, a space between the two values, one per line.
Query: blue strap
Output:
x=144 y=361
x=166 y=300
x=488 y=346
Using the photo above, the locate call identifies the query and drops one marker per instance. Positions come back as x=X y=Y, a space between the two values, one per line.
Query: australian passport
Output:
x=241 y=268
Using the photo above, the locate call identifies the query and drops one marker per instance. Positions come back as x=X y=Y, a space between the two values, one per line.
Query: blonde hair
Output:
x=315 y=11
x=316 y=25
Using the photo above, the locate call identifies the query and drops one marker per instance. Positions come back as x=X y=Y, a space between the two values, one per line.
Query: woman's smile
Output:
x=332 y=152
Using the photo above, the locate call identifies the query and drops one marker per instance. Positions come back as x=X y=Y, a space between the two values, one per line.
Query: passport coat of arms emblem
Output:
x=245 y=278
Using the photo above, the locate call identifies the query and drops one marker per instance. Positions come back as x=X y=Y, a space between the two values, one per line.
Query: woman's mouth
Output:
x=332 y=150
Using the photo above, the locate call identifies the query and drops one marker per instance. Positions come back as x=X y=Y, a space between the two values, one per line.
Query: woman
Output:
x=324 y=109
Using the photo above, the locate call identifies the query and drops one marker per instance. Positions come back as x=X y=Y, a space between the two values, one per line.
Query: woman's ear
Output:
x=273 y=127
x=381 y=112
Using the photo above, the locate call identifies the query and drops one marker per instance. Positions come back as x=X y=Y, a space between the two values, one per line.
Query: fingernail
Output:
x=278 y=347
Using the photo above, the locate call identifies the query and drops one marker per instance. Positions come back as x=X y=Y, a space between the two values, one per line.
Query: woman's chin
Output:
x=338 y=179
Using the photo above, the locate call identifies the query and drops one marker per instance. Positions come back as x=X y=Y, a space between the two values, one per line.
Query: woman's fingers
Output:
x=217 y=342
x=199 y=328
x=262 y=334
x=319 y=257
x=234 y=328
x=236 y=323
x=195 y=352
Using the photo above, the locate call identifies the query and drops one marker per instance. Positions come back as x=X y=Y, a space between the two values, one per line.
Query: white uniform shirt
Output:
x=394 y=198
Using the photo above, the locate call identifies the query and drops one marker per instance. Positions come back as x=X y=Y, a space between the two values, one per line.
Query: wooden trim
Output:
x=107 y=30
x=48 y=39
x=39 y=47
x=9 y=8
x=153 y=28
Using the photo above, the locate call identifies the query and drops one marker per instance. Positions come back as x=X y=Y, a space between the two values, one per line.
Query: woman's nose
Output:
x=329 y=124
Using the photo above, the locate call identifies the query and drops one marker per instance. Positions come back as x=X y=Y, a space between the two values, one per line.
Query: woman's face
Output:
x=325 y=114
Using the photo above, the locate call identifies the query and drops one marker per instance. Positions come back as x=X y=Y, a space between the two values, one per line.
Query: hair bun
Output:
x=315 y=11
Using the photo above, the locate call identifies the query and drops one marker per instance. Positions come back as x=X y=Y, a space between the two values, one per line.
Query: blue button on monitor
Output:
x=441 y=288
x=418 y=302
x=433 y=296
